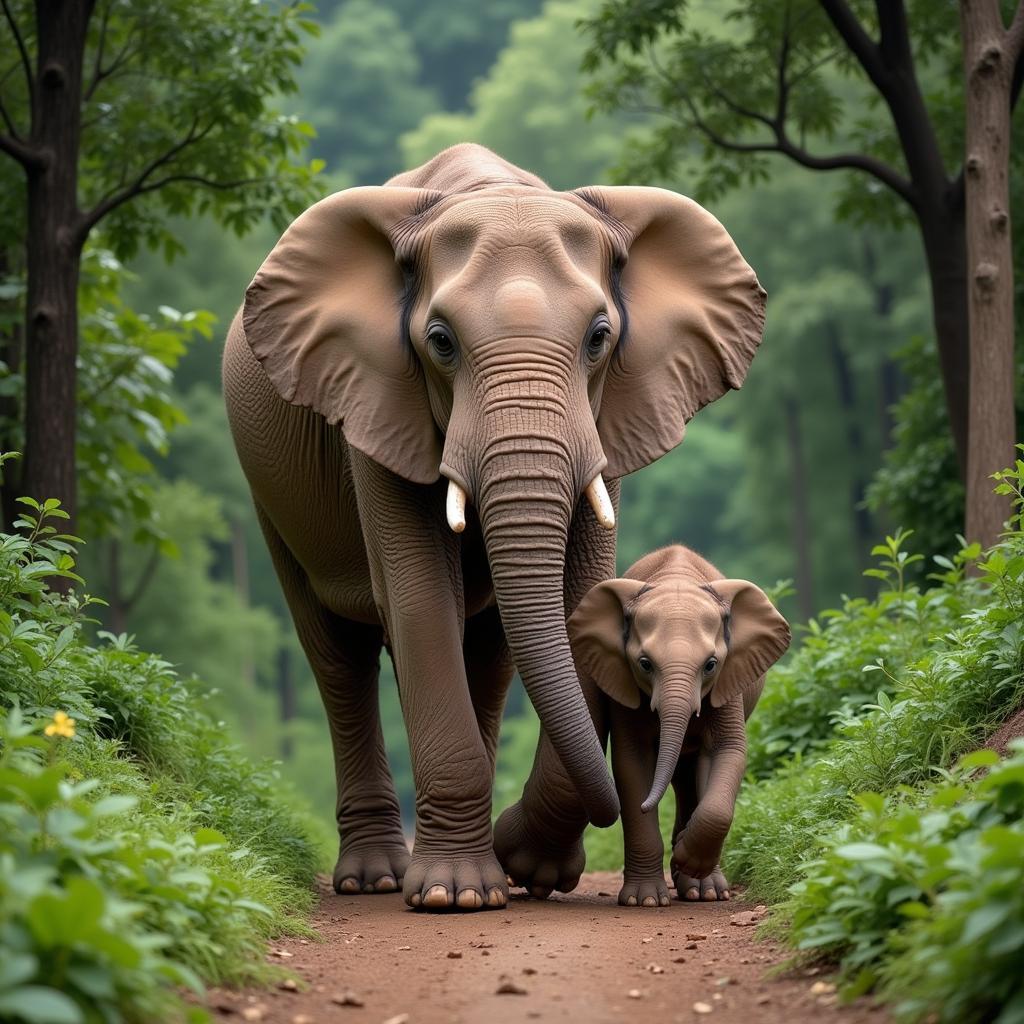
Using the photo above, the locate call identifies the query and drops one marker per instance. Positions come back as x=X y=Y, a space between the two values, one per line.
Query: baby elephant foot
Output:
x=539 y=866
x=438 y=882
x=712 y=887
x=644 y=892
x=371 y=867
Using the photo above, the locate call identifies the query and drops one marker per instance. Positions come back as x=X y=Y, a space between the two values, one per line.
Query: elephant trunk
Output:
x=674 y=715
x=525 y=500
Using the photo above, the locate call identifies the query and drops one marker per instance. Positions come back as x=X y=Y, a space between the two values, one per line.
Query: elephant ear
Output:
x=323 y=317
x=598 y=630
x=757 y=636
x=695 y=316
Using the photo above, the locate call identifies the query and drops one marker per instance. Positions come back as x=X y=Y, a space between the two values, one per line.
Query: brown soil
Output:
x=579 y=957
x=1011 y=729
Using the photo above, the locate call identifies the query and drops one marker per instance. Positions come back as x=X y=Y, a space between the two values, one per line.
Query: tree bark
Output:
x=990 y=54
x=801 y=531
x=861 y=527
x=945 y=248
x=53 y=253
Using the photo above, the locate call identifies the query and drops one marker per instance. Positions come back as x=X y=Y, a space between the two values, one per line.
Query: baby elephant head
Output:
x=677 y=643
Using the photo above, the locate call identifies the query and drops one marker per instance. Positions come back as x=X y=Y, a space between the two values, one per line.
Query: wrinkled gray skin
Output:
x=463 y=330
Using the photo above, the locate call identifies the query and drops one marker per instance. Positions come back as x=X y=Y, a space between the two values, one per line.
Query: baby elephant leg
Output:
x=689 y=784
x=633 y=760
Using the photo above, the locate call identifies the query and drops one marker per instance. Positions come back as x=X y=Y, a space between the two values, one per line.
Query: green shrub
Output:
x=140 y=853
x=824 y=680
x=965 y=675
x=924 y=891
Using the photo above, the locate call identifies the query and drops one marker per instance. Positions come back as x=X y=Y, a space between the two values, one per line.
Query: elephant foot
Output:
x=538 y=865
x=644 y=892
x=710 y=888
x=371 y=867
x=456 y=882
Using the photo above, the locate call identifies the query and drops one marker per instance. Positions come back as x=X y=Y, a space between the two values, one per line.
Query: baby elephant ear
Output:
x=323 y=317
x=757 y=637
x=695 y=316
x=597 y=632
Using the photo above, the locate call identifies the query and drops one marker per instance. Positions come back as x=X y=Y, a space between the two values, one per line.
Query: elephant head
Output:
x=520 y=342
x=676 y=643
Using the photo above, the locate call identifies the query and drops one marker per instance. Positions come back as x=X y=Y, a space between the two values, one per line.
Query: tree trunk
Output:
x=990 y=53
x=801 y=518
x=12 y=351
x=861 y=527
x=945 y=247
x=53 y=253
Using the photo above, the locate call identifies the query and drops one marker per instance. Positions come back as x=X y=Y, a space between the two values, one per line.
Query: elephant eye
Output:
x=441 y=344
x=597 y=341
x=645 y=663
x=710 y=665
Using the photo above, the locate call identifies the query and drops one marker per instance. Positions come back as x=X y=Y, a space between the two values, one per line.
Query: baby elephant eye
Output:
x=645 y=663
x=710 y=665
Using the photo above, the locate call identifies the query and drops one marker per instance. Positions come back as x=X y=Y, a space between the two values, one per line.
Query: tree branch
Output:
x=25 y=62
x=894 y=45
x=140 y=185
x=860 y=44
x=29 y=157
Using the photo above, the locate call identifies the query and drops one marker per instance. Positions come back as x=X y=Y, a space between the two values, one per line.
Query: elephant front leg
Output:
x=634 y=739
x=709 y=789
x=539 y=838
x=418 y=586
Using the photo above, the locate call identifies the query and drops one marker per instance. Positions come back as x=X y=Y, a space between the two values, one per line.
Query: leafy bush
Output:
x=825 y=679
x=139 y=851
x=907 y=873
x=924 y=890
x=966 y=674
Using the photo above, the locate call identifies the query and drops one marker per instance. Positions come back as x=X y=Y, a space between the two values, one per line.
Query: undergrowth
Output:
x=141 y=854
x=893 y=849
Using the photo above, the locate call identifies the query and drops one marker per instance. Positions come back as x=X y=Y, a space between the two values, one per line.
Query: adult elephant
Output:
x=424 y=381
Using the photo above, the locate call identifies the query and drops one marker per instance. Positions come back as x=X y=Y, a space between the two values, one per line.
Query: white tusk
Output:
x=601 y=503
x=456 y=507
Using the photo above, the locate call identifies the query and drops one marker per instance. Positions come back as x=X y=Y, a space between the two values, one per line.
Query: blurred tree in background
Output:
x=122 y=113
x=840 y=431
x=884 y=82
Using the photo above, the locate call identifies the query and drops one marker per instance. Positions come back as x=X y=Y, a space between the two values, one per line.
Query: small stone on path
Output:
x=399 y=1018
x=702 y=1008
x=454 y=954
x=507 y=987
x=634 y=993
x=346 y=999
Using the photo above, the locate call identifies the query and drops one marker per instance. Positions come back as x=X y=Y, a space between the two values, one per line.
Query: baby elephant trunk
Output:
x=675 y=717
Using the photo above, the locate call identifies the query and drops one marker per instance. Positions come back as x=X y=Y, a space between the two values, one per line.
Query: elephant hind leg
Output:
x=345 y=659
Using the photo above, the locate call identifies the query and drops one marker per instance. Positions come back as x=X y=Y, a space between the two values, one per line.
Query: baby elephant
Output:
x=682 y=652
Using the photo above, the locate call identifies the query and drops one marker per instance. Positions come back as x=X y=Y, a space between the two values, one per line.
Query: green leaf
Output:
x=39 y=1005
x=863 y=851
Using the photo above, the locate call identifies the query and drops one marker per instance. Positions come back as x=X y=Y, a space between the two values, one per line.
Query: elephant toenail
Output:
x=664 y=901
x=437 y=896
x=630 y=901
x=469 y=899
x=709 y=895
x=725 y=894
x=693 y=893
x=650 y=901
x=386 y=884
x=416 y=899
x=496 y=898
x=348 y=885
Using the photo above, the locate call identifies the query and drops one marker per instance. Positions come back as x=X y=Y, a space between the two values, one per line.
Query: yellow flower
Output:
x=61 y=725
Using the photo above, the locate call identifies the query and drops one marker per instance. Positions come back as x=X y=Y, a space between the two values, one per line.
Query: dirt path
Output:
x=571 y=958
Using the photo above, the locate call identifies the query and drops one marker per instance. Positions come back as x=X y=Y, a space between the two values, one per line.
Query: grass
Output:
x=140 y=852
